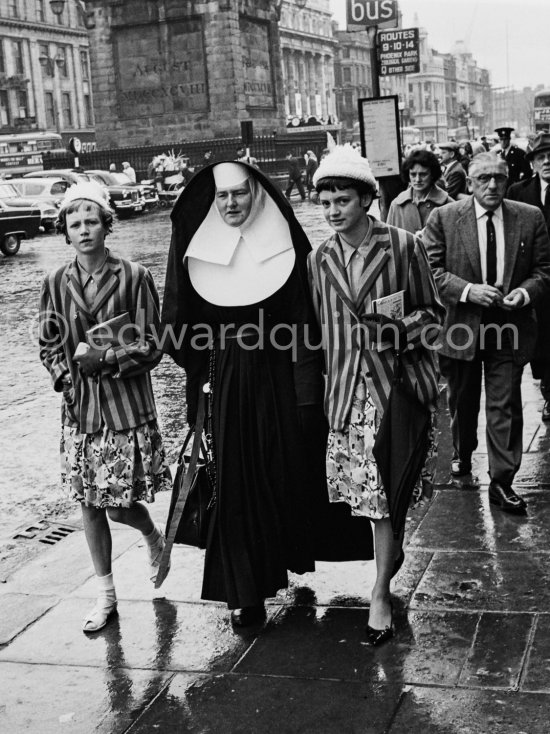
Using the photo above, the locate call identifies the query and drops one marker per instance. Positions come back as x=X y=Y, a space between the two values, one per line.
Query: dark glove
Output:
x=91 y=362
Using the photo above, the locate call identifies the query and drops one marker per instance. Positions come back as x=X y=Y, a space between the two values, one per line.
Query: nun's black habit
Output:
x=272 y=511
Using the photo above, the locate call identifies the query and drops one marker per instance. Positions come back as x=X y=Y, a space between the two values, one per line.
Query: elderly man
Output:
x=491 y=261
x=518 y=165
x=536 y=191
x=454 y=174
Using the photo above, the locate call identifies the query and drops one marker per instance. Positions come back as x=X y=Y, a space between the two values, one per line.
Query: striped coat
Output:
x=122 y=398
x=396 y=261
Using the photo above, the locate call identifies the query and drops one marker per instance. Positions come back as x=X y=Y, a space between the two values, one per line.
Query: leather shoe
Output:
x=378 y=637
x=506 y=499
x=460 y=468
x=546 y=411
x=248 y=615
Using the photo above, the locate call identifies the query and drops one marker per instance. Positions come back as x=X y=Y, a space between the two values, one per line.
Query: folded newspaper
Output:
x=392 y=306
x=113 y=332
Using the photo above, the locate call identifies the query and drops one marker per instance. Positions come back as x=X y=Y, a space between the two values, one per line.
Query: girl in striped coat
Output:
x=366 y=260
x=111 y=449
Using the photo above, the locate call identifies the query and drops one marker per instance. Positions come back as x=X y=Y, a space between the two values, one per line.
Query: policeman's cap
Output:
x=504 y=132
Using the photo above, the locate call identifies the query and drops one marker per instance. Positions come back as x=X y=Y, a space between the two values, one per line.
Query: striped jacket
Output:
x=122 y=397
x=396 y=261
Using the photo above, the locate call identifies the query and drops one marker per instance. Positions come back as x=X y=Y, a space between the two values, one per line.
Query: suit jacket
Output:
x=528 y=192
x=455 y=179
x=396 y=261
x=122 y=397
x=451 y=240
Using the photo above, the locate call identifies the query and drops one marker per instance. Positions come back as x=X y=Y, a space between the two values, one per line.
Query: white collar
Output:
x=267 y=234
x=481 y=212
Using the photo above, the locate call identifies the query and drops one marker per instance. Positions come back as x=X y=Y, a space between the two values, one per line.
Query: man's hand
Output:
x=91 y=362
x=484 y=295
x=514 y=299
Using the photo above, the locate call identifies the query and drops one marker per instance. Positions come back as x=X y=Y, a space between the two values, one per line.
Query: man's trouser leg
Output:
x=463 y=393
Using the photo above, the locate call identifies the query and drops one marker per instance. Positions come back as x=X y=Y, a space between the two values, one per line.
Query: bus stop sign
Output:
x=366 y=13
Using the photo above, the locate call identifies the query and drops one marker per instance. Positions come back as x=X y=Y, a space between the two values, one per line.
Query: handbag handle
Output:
x=186 y=486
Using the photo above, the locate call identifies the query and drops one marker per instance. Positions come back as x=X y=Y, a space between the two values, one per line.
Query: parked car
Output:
x=70 y=175
x=16 y=224
x=10 y=196
x=48 y=189
x=147 y=193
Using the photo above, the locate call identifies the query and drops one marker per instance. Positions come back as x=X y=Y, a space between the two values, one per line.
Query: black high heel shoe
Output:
x=378 y=637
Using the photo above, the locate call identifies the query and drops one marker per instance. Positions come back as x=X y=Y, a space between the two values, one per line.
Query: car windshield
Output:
x=7 y=191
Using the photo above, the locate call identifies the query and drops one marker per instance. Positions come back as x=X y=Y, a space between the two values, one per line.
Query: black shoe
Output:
x=546 y=411
x=505 y=497
x=248 y=615
x=398 y=563
x=378 y=637
x=460 y=468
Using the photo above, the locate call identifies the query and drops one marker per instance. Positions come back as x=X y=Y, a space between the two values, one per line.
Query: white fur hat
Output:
x=88 y=190
x=345 y=162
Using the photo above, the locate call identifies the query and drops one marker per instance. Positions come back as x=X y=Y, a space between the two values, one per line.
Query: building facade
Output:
x=353 y=76
x=308 y=49
x=45 y=76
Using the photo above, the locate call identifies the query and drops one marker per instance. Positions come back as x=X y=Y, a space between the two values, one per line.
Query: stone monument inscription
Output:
x=161 y=69
x=256 y=56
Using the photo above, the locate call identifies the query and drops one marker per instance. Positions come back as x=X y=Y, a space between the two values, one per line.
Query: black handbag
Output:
x=193 y=495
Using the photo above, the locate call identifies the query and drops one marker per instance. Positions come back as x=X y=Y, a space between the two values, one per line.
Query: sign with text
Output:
x=380 y=141
x=398 y=52
x=256 y=56
x=370 y=12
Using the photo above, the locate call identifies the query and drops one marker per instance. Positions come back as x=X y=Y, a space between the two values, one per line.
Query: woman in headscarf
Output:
x=237 y=276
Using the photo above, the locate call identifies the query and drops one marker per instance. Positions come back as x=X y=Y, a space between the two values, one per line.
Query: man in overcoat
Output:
x=491 y=261
x=536 y=191
x=454 y=174
x=519 y=167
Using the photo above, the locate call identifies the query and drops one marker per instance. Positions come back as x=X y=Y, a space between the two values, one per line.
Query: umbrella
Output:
x=401 y=442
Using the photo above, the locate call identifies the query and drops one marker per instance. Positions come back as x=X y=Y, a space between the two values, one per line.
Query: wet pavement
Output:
x=471 y=653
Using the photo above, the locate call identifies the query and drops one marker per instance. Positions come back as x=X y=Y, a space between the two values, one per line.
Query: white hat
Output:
x=88 y=190
x=345 y=162
x=229 y=174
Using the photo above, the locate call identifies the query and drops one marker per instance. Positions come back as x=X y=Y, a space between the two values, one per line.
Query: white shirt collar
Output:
x=266 y=235
x=481 y=212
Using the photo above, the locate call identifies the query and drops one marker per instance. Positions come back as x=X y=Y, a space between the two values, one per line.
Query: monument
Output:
x=168 y=70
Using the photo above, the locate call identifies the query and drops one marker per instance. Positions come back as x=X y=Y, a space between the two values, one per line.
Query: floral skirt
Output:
x=114 y=468
x=352 y=473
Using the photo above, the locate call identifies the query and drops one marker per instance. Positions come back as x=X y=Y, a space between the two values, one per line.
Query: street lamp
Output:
x=58 y=6
x=51 y=65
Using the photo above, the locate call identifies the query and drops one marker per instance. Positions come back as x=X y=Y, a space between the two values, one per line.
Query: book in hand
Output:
x=113 y=332
x=392 y=306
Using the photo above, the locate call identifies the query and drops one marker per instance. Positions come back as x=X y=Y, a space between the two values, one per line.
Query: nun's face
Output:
x=234 y=203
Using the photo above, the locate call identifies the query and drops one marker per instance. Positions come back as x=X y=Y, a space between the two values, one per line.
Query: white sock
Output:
x=106 y=588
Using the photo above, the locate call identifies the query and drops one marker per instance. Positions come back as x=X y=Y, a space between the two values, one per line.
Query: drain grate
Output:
x=44 y=532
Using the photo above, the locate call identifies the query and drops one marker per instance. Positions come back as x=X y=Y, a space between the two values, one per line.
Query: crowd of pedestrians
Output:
x=451 y=284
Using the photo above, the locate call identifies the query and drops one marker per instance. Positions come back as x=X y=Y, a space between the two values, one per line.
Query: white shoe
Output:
x=155 y=553
x=99 y=615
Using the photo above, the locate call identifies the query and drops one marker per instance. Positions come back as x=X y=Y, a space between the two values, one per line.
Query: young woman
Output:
x=365 y=260
x=111 y=449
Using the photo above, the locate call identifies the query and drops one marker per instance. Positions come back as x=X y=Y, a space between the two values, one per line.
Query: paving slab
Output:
x=50 y=699
x=498 y=651
x=466 y=521
x=159 y=635
x=537 y=673
x=443 y=711
x=330 y=644
x=232 y=704
x=507 y=581
x=18 y=611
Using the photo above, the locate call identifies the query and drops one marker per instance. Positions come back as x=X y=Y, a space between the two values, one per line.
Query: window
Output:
x=50 y=110
x=4 y=109
x=67 y=111
x=22 y=103
x=61 y=61
x=2 y=58
x=18 y=57
x=13 y=8
x=347 y=74
x=84 y=67
x=40 y=14
x=88 y=110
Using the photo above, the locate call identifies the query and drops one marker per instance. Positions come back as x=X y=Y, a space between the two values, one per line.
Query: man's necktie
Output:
x=491 y=250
